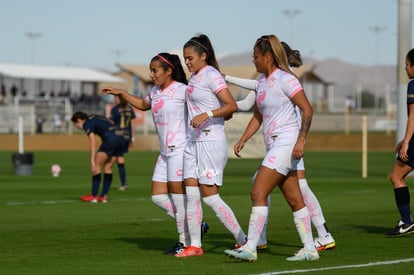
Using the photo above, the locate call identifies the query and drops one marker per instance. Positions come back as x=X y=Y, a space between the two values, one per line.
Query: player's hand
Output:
x=198 y=120
x=110 y=90
x=299 y=148
x=93 y=166
x=402 y=152
x=228 y=117
x=397 y=147
x=238 y=147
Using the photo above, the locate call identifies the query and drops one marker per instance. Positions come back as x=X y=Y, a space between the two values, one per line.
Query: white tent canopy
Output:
x=67 y=73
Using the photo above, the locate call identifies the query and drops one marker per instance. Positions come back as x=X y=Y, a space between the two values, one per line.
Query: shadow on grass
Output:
x=371 y=229
x=213 y=243
x=156 y=244
x=217 y=243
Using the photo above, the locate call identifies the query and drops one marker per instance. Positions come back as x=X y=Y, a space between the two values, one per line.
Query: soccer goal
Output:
x=40 y=115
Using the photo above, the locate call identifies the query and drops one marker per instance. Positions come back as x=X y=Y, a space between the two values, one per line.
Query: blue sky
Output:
x=90 y=32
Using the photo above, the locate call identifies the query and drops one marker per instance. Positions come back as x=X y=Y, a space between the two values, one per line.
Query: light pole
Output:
x=377 y=30
x=32 y=37
x=291 y=14
x=404 y=45
x=117 y=53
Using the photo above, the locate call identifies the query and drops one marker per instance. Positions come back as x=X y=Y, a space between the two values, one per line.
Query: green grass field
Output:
x=46 y=229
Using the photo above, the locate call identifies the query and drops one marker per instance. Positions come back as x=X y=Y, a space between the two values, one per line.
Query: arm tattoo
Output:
x=306 y=123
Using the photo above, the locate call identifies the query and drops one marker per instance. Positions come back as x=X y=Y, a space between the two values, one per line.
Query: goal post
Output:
x=42 y=114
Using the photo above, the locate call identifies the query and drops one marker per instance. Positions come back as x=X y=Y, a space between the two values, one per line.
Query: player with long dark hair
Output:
x=209 y=101
x=166 y=100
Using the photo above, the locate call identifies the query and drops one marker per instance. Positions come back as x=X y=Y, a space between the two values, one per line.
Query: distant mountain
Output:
x=370 y=77
x=236 y=59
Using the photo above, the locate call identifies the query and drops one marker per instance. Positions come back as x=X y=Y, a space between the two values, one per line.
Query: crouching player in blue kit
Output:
x=111 y=147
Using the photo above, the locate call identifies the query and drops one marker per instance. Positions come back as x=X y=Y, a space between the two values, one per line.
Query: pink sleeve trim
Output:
x=295 y=92
x=219 y=89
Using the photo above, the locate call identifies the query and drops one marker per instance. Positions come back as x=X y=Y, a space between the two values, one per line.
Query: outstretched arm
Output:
x=246 y=103
x=241 y=82
x=137 y=102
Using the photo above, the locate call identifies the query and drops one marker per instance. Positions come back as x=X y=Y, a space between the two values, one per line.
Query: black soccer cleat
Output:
x=204 y=229
x=401 y=229
x=176 y=249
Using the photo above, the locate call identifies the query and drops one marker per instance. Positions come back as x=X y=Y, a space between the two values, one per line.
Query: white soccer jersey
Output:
x=170 y=117
x=273 y=98
x=201 y=97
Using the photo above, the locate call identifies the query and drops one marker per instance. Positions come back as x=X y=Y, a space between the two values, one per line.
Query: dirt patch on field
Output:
x=351 y=142
x=79 y=142
x=63 y=142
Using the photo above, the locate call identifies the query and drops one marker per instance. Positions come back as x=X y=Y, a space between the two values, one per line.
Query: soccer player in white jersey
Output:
x=278 y=92
x=205 y=155
x=167 y=103
x=324 y=241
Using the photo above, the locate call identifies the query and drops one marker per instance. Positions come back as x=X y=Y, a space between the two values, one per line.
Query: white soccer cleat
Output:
x=324 y=243
x=243 y=253
x=304 y=255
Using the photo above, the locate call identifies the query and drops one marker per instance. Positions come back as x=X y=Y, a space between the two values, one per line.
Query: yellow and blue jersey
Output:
x=123 y=119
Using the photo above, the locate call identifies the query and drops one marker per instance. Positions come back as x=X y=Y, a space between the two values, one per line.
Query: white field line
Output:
x=18 y=203
x=339 y=267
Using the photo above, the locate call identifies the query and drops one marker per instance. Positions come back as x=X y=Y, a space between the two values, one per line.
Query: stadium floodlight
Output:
x=32 y=37
x=291 y=14
x=377 y=30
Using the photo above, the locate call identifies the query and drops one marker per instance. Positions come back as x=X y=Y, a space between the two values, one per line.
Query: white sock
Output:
x=226 y=216
x=315 y=210
x=257 y=220
x=165 y=203
x=194 y=214
x=301 y=218
x=263 y=237
x=182 y=228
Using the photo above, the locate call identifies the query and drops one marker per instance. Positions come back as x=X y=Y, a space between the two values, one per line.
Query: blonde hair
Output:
x=271 y=44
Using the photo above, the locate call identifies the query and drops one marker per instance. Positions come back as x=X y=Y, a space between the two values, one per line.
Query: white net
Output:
x=40 y=115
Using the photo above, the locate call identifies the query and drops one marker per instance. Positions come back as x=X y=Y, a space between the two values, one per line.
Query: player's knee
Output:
x=258 y=197
x=212 y=200
x=96 y=170
x=160 y=199
x=394 y=178
x=296 y=204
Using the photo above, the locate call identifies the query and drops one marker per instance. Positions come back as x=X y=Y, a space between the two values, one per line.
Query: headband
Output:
x=165 y=60
x=199 y=44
